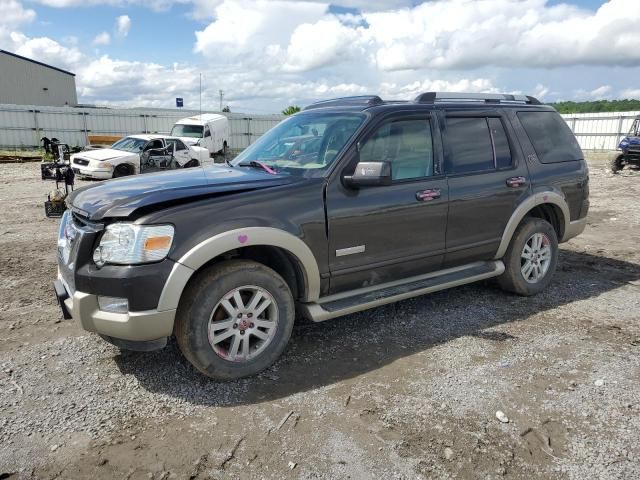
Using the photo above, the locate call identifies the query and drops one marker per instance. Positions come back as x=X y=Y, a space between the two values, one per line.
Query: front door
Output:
x=487 y=179
x=386 y=233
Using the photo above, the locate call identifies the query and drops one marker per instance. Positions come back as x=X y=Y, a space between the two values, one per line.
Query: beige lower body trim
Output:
x=573 y=229
x=133 y=326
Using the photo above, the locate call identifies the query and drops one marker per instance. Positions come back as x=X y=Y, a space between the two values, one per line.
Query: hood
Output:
x=122 y=197
x=101 y=154
x=189 y=140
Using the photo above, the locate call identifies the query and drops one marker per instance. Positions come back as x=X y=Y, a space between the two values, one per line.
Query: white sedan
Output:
x=130 y=156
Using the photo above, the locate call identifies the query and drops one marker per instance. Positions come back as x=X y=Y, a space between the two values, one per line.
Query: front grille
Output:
x=80 y=161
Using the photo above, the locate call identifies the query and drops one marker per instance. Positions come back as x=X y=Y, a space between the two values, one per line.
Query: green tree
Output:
x=597 y=106
x=290 y=110
x=226 y=109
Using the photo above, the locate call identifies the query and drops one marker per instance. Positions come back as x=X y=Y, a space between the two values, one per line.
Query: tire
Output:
x=122 y=171
x=616 y=163
x=529 y=231
x=201 y=304
x=192 y=163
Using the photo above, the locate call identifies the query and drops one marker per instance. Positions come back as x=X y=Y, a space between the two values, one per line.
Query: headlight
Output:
x=130 y=244
x=103 y=165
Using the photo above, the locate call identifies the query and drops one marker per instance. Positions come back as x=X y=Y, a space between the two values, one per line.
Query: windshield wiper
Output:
x=256 y=164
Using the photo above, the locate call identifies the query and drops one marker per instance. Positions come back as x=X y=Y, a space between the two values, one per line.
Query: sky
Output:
x=267 y=54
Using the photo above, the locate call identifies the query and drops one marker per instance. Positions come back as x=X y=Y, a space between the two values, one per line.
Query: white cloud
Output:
x=123 y=25
x=248 y=28
x=102 y=39
x=13 y=16
x=603 y=91
x=46 y=50
x=631 y=93
x=463 y=34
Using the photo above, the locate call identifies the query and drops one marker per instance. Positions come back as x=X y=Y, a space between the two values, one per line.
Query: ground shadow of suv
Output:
x=390 y=200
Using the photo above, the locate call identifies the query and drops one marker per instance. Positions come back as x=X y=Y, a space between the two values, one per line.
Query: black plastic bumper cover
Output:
x=61 y=296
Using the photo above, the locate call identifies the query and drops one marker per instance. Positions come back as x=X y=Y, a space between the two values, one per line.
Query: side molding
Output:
x=230 y=240
x=520 y=212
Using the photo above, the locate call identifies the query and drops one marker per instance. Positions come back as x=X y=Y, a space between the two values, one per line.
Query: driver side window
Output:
x=406 y=144
x=207 y=132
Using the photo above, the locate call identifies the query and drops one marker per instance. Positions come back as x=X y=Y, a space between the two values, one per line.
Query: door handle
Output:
x=428 y=194
x=515 y=182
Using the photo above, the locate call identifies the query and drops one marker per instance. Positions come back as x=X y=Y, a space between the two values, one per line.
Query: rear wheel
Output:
x=616 y=163
x=122 y=171
x=235 y=319
x=531 y=258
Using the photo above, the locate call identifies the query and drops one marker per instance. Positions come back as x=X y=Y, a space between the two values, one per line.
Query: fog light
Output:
x=113 y=304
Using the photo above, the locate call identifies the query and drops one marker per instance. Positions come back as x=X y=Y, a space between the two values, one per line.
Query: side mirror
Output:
x=369 y=174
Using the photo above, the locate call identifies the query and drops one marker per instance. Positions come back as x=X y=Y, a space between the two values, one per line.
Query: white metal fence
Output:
x=600 y=131
x=23 y=126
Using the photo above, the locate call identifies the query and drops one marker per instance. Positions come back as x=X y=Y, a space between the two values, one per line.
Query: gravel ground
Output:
x=409 y=390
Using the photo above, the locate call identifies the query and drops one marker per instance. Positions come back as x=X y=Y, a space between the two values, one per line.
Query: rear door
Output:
x=386 y=233
x=487 y=179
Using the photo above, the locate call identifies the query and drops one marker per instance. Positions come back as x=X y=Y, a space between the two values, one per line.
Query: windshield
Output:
x=307 y=141
x=129 y=144
x=193 y=131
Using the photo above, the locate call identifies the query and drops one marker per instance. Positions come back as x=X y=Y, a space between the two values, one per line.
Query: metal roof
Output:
x=37 y=63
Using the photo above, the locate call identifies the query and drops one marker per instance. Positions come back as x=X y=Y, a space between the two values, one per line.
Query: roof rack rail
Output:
x=357 y=101
x=432 y=97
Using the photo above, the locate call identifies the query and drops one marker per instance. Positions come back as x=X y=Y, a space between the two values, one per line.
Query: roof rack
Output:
x=432 y=97
x=357 y=101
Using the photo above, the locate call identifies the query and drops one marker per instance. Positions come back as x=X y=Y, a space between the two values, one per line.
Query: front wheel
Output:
x=235 y=319
x=122 y=170
x=531 y=258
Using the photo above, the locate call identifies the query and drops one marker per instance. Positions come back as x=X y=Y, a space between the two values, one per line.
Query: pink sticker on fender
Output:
x=243 y=238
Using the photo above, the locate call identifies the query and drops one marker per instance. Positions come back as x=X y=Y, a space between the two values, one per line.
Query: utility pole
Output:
x=201 y=96
x=221 y=98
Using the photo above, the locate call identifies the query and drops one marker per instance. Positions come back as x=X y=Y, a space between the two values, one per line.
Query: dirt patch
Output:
x=408 y=390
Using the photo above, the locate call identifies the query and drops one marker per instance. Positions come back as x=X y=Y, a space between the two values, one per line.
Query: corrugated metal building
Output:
x=27 y=82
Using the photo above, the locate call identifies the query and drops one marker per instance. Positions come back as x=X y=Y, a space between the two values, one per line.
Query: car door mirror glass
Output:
x=369 y=174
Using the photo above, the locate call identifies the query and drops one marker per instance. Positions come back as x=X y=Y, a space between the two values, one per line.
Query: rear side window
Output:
x=551 y=137
x=470 y=148
x=477 y=144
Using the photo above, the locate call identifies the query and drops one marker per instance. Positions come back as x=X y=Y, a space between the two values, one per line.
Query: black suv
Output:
x=350 y=204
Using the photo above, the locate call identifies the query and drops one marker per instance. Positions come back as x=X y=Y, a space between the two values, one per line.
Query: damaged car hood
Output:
x=123 y=196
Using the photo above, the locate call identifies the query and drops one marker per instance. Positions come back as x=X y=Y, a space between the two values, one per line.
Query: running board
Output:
x=364 y=298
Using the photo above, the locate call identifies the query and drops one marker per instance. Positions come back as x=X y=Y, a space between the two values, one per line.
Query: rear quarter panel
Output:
x=569 y=178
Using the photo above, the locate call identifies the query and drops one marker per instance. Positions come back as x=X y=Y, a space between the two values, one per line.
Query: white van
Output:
x=208 y=130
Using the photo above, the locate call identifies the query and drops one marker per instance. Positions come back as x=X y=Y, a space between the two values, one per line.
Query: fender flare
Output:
x=224 y=242
x=525 y=207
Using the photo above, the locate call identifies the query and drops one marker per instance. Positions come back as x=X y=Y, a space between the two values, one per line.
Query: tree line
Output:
x=597 y=106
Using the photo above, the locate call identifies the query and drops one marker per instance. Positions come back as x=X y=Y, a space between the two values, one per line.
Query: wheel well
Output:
x=552 y=214
x=278 y=259
x=124 y=166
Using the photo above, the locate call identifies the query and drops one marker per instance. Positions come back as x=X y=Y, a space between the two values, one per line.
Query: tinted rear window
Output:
x=551 y=137
x=470 y=145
